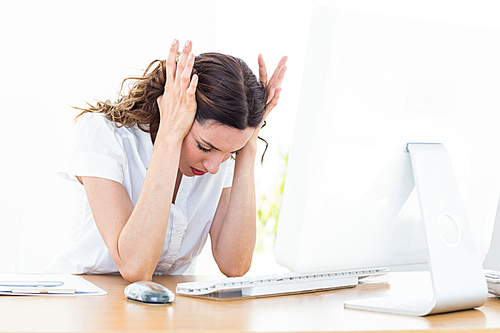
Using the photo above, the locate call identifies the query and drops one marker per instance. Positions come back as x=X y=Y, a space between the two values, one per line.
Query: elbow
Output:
x=236 y=270
x=135 y=269
x=233 y=264
x=135 y=275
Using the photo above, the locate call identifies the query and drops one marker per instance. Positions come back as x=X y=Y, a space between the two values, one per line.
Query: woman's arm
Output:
x=233 y=231
x=134 y=235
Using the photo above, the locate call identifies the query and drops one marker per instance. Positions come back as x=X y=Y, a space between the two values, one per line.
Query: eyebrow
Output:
x=213 y=147
x=210 y=145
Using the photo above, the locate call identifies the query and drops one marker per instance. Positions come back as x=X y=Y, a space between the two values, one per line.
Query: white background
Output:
x=58 y=54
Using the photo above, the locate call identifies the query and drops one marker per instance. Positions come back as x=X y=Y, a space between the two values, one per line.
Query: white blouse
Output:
x=122 y=154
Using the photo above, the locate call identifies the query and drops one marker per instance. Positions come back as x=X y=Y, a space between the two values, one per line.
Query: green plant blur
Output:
x=269 y=211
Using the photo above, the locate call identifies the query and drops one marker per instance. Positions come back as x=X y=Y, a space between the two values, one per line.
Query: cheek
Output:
x=188 y=153
x=191 y=154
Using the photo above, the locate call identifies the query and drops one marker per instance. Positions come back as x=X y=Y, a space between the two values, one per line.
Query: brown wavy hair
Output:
x=227 y=92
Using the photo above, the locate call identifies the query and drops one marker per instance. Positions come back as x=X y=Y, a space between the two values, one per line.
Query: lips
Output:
x=197 y=172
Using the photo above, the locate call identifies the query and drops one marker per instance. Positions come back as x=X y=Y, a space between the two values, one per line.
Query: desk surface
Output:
x=322 y=311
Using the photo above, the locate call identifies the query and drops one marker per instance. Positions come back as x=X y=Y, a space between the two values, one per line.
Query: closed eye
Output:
x=208 y=150
x=203 y=149
x=236 y=152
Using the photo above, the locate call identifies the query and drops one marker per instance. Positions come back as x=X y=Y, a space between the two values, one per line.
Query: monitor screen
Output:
x=371 y=85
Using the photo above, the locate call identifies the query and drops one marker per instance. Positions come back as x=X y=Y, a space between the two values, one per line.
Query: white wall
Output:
x=54 y=54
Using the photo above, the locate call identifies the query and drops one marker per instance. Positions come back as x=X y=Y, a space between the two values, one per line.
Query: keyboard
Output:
x=275 y=284
x=493 y=280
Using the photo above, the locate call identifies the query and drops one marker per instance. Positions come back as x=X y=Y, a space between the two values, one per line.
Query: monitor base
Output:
x=457 y=276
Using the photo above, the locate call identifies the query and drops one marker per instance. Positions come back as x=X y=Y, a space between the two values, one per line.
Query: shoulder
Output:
x=94 y=121
x=96 y=125
x=98 y=149
x=94 y=133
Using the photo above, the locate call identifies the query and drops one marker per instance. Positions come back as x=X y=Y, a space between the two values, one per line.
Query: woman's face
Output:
x=205 y=147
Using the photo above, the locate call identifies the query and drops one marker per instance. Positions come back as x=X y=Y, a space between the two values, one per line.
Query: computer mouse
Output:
x=149 y=292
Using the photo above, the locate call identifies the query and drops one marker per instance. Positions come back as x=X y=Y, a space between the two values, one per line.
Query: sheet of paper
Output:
x=82 y=286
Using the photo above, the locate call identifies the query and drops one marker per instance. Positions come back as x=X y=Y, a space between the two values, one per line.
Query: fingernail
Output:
x=174 y=42
x=191 y=56
x=187 y=43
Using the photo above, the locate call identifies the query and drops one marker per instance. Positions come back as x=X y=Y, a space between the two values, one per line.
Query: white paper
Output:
x=82 y=286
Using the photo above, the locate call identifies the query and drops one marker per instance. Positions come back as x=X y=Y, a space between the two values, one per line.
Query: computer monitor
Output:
x=371 y=85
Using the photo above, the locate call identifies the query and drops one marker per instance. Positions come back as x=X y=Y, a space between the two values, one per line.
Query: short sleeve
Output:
x=228 y=182
x=98 y=150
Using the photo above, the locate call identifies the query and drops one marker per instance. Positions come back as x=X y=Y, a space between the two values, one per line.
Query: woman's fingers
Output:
x=177 y=105
x=175 y=69
x=181 y=69
x=190 y=92
x=185 y=77
x=273 y=102
x=172 y=63
x=183 y=58
x=262 y=70
x=274 y=84
x=279 y=73
x=277 y=78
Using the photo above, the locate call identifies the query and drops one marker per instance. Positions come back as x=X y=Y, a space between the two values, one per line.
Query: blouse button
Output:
x=178 y=230
x=170 y=261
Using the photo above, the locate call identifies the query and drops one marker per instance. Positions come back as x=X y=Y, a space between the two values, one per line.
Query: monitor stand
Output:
x=458 y=281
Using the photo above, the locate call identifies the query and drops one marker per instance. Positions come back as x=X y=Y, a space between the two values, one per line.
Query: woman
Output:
x=157 y=171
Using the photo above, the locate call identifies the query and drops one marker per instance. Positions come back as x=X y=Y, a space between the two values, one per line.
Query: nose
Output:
x=213 y=163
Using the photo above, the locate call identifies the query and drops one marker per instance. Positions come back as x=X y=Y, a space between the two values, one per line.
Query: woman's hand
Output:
x=273 y=89
x=178 y=103
x=274 y=84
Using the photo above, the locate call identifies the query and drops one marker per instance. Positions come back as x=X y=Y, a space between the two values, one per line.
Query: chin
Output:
x=187 y=172
x=184 y=173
